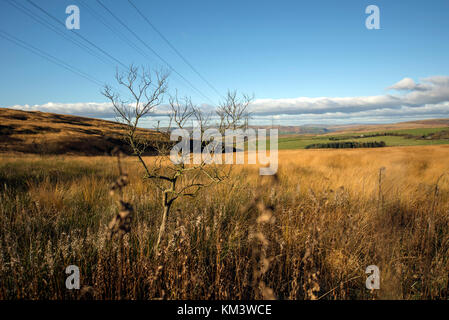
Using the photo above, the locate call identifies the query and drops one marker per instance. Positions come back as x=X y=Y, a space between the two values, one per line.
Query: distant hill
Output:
x=49 y=133
x=431 y=123
x=333 y=129
x=306 y=129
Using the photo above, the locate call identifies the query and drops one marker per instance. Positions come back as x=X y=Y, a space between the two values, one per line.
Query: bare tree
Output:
x=181 y=110
x=146 y=93
x=202 y=119
x=173 y=180
x=233 y=112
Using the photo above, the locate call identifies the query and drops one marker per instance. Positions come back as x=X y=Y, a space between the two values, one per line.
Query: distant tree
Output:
x=233 y=111
x=347 y=144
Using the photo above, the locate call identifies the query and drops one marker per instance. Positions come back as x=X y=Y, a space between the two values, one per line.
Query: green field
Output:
x=415 y=137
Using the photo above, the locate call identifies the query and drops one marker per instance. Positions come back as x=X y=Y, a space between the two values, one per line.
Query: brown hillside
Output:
x=49 y=133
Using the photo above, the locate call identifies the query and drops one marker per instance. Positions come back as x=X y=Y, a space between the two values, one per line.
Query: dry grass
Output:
x=310 y=235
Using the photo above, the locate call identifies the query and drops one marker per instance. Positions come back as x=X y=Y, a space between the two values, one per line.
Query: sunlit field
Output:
x=309 y=234
x=392 y=138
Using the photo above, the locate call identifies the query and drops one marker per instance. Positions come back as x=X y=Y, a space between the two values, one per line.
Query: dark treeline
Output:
x=384 y=134
x=347 y=144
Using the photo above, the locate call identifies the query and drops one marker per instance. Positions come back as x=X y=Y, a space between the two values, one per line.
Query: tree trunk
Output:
x=163 y=223
x=166 y=203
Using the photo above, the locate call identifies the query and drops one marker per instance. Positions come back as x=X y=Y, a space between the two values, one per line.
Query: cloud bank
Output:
x=433 y=91
x=404 y=100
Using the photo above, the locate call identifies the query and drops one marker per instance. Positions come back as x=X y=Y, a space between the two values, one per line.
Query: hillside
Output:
x=431 y=123
x=304 y=129
x=347 y=128
x=49 y=133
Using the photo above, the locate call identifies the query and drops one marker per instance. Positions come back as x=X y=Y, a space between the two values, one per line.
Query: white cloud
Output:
x=404 y=84
x=433 y=91
x=428 y=98
x=88 y=109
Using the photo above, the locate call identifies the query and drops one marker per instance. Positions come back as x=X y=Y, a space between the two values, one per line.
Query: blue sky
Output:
x=297 y=57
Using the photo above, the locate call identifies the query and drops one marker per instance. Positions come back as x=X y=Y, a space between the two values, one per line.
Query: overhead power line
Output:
x=78 y=35
x=52 y=27
x=82 y=45
x=115 y=31
x=48 y=57
x=152 y=50
x=174 y=48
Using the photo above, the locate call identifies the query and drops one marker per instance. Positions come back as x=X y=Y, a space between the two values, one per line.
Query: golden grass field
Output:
x=335 y=212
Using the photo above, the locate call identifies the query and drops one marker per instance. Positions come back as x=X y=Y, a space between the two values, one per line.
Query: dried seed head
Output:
x=120 y=183
x=121 y=223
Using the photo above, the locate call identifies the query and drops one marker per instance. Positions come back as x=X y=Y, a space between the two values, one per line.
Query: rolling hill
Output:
x=49 y=133
x=417 y=124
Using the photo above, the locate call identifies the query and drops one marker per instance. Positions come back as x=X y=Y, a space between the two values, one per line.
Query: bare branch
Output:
x=233 y=112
